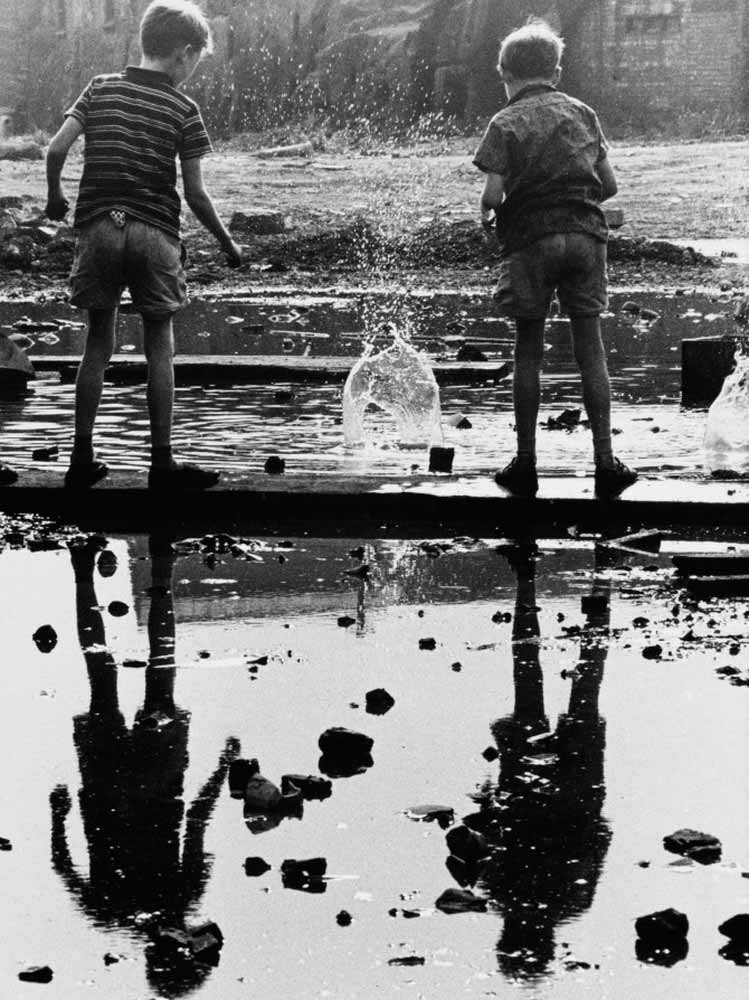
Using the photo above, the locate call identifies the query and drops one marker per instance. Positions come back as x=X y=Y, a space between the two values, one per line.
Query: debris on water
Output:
x=118 y=609
x=662 y=926
x=737 y=929
x=346 y=621
x=275 y=465
x=36 y=974
x=459 y=421
x=343 y=918
x=654 y=652
x=470 y=353
x=456 y=667
x=566 y=421
x=467 y=844
x=460 y=901
x=134 y=664
x=444 y=816
x=45 y=638
x=408 y=960
x=5 y=844
x=702 y=847
x=261 y=796
x=110 y=959
x=312 y=786
x=255 y=867
x=46 y=454
x=305 y=876
x=490 y=754
x=428 y=643
x=200 y=944
x=441 y=459
x=241 y=772
x=345 y=753
x=379 y=701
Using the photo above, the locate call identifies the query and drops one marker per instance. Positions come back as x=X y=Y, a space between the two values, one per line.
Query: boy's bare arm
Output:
x=491 y=196
x=606 y=175
x=204 y=210
x=57 y=203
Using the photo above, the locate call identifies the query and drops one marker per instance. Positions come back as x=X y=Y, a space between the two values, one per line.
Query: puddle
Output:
x=533 y=715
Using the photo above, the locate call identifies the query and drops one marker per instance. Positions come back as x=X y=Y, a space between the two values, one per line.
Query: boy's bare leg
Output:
x=89 y=381
x=526 y=384
x=591 y=360
x=158 y=340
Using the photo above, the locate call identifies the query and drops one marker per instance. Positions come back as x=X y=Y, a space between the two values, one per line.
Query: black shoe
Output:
x=82 y=475
x=519 y=478
x=181 y=476
x=610 y=482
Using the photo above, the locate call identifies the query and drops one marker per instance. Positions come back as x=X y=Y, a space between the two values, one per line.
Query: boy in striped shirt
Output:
x=127 y=218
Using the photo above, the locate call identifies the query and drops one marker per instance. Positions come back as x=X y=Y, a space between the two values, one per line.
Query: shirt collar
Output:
x=148 y=75
x=532 y=88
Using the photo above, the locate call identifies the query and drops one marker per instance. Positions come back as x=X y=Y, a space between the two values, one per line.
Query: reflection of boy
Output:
x=128 y=216
x=547 y=170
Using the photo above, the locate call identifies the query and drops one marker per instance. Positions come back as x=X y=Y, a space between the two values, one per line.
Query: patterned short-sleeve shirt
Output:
x=136 y=123
x=546 y=145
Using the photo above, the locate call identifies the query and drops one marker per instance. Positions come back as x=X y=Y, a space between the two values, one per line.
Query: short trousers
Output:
x=571 y=264
x=144 y=259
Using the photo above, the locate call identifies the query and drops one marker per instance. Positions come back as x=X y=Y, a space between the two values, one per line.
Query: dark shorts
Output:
x=571 y=264
x=142 y=258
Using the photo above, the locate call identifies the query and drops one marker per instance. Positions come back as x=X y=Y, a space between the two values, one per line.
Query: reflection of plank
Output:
x=725 y=564
x=380 y=506
x=716 y=586
x=213 y=368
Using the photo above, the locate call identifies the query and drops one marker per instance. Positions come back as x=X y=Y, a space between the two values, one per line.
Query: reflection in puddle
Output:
x=173 y=664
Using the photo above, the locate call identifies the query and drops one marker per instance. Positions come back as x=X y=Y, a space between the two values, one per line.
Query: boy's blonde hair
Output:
x=169 y=24
x=531 y=52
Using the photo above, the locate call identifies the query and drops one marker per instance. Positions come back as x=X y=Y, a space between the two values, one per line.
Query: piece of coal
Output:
x=443 y=815
x=460 y=901
x=306 y=875
x=118 y=609
x=467 y=844
x=737 y=929
x=441 y=459
x=45 y=454
x=379 y=701
x=702 y=847
x=345 y=621
x=261 y=796
x=240 y=773
x=407 y=960
x=566 y=421
x=5 y=844
x=254 y=867
x=428 y=643
x=343 y=918
x=341 y=742
x=344 y=767
x=653 y=652
x=275 y=465
x=45 y=638
x=662 y=926
x=36 y=974
x=312 y=786
x=206 y=941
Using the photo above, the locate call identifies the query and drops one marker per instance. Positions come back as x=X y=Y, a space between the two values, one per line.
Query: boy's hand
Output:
x=489 y=227
x=233 y=254
x=57 y=206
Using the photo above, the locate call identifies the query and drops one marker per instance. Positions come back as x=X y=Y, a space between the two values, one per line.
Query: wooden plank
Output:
x=210 y=369
x=380 y=506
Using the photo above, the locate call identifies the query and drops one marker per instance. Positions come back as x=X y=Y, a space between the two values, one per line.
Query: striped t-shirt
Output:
x=135 y=124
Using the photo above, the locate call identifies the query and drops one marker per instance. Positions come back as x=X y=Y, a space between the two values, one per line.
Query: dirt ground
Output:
x=352 y=213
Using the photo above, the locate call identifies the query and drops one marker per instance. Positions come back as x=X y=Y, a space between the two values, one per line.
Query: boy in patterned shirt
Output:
x=547 y=171
x=127 y=219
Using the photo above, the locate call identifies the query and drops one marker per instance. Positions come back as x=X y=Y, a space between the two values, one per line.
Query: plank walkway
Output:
x=225 y=369
x=421 y=506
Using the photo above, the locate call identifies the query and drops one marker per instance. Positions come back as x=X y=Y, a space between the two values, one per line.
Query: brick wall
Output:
x=664 y=55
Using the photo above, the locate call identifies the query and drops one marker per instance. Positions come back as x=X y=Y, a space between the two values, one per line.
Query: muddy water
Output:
x=574 y=752
x=235 y=429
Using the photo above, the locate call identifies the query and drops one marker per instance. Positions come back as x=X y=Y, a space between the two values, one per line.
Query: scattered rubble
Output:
x=702 y=847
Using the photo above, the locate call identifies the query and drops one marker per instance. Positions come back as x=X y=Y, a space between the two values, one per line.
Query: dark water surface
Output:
x=535 y=718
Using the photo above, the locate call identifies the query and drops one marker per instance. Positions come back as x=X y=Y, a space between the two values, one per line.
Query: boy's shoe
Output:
x=181 y=476
x=82 y=475
x=610 y=482
x=519 y=478
x=7 y=475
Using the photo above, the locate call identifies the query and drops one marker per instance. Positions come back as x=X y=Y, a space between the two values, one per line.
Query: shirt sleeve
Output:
x=493 y=154
x=79 y=109
x=603 y=146
x=194 y=140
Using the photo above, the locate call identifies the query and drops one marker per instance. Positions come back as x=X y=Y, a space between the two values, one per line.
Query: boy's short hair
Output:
x=169 y=24
x=531 y=52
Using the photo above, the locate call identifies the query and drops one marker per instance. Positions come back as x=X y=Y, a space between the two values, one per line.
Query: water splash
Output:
x=400 y=381
x=726 y=443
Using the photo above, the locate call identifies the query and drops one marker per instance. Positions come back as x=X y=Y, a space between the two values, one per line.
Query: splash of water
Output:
x=400 y=381
x=726 y=444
